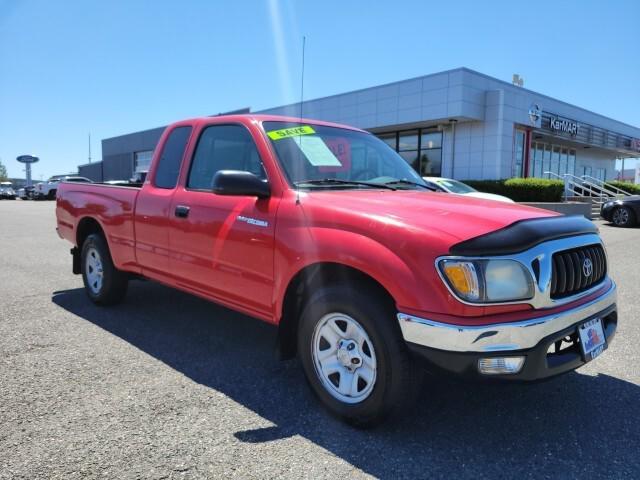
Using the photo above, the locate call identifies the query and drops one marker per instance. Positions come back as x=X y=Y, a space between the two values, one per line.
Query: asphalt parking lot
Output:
x=166 y=385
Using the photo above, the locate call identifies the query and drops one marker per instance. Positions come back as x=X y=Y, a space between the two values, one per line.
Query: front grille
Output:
x=570 y=268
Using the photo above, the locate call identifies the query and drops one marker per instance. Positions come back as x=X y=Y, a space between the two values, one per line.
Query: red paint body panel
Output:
x=392 y=236
x=215 y=253
x=112 y=207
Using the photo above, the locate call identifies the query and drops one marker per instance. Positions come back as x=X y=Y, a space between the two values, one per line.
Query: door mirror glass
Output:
x=236 y=182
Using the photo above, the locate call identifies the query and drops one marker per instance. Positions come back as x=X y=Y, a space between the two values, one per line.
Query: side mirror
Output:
x=236 y=182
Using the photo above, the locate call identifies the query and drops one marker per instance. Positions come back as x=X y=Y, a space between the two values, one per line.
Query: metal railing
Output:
x=581 y=187
x=597 y=181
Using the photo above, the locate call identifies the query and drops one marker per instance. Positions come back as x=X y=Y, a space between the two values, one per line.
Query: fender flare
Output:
x=353 y=250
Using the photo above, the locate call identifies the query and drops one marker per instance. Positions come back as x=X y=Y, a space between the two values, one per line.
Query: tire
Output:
x=103 y=282
x=623 y=217
x=384 y=379
x=51 y=195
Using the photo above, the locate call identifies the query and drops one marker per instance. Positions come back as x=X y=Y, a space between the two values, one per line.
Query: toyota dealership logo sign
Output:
x=535 y=115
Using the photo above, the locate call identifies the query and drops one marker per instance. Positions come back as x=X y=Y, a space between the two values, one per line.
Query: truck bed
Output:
x=112 y=206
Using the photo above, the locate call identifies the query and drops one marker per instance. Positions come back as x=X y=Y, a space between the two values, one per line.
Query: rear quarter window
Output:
x=168 y=168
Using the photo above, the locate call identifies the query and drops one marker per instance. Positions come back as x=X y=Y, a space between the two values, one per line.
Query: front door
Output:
x=223 y=246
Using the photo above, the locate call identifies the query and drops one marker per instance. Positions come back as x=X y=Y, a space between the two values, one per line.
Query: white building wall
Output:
x=483 y=150
x=594 y=158
x=437 y=98
x=487 y=111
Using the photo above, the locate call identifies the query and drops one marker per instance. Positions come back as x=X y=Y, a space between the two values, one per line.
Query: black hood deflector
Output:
x=524 y=234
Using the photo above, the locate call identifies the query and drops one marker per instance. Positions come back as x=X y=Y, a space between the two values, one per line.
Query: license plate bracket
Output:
x=592 y=339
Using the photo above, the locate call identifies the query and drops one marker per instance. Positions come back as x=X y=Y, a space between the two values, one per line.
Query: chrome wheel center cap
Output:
x=348 y=354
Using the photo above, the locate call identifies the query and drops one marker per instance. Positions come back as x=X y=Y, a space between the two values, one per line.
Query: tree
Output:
x=3 y=172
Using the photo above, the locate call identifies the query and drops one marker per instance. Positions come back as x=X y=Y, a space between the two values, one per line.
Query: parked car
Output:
x=624 y=212
x=6 y=191
x=324 y=231
x=49 y=188
x=454 y=186
x=136 y=180
x=26 y=193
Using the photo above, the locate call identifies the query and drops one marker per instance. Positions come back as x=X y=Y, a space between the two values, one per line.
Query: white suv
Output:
x=6 y=191
x=49 y=188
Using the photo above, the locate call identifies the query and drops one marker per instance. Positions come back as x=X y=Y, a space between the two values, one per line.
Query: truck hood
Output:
x=450 y=218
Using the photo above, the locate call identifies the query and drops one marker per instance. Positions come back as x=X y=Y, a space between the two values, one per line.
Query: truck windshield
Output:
x=321 y=157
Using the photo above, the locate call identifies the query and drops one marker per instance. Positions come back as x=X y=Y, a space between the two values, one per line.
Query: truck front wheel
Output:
x=354 y=357
x=103 y=282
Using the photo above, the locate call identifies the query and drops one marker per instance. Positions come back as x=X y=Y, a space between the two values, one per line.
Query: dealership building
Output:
x=459 y=123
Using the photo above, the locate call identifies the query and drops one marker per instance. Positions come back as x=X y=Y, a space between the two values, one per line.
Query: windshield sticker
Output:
x=317 y=152
x=290 y=132
x=341 y=148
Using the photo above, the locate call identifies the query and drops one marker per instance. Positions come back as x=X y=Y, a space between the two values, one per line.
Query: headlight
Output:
x=487 y=281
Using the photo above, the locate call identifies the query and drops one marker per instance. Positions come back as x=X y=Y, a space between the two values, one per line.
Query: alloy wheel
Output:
x=620 y=216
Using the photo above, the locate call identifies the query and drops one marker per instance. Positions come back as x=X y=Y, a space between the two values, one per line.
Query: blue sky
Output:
x=72 y=67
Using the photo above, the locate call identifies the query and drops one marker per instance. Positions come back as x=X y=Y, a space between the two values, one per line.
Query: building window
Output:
x=549 y=161
x=422 y=149
x=408 y=141
x=431 y=154
x=142 y=161
x=390 y=139
x=564 y=161
x=521 y=145
x=536 y=164
x=408 y=148
x=572 y=162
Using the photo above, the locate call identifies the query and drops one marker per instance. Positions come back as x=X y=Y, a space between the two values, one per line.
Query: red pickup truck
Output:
x=326 y=232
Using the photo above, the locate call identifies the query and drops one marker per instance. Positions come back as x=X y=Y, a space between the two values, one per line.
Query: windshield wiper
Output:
x=409 y=182
x=336 y=181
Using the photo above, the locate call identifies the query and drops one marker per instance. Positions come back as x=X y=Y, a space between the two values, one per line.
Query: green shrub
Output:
x=522 y=189
x=626 y=186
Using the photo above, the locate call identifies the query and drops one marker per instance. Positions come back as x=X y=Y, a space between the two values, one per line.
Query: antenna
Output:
x=89 y=147
x=304 y=42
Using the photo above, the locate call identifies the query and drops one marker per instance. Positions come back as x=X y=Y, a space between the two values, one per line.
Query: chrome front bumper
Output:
x=500 y=336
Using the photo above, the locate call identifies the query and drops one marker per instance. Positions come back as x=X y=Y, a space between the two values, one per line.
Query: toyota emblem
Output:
x=587 y=267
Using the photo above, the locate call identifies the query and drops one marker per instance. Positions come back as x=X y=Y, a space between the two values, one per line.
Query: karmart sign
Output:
x=564 y=126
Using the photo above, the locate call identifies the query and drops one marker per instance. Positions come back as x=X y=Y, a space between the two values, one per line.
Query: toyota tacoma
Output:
x=369 y=275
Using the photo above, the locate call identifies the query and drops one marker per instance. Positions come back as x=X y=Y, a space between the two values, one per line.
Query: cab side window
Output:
x=169 y=163
x=223 y=147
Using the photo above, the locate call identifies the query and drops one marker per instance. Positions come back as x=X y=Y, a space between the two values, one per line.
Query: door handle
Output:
x=182 y=211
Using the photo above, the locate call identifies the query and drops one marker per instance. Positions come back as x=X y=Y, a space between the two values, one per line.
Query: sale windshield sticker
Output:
x=290 y=132
x=317 y=152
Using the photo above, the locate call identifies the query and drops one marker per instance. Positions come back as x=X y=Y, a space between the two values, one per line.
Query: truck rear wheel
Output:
x=103 y=282
x=354 y=356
